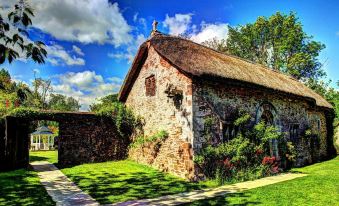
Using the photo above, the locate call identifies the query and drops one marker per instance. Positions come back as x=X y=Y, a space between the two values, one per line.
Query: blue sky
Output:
x=91 y=43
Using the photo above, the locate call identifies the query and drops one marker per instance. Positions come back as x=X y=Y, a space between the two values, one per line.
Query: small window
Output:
x=319 y=125
x=229 y=131
x=294 y=131
x=150 y=85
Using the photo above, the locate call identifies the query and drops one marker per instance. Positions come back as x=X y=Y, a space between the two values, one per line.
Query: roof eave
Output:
x=134 y=70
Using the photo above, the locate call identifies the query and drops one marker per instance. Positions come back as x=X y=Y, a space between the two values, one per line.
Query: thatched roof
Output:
x=200 y=61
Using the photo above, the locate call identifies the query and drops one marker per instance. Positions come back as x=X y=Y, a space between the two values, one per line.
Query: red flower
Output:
x=259 y=151
x=7 y=103
x=268 y=160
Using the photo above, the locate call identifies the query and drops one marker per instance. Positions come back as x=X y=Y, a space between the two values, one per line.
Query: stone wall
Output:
x=88 y=138
x=221 y=100
x=83 y=138
x=164 y=112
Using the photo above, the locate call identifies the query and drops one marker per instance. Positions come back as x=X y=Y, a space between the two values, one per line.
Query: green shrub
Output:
x=124 y=119
x=141 y=140
x=246 y=156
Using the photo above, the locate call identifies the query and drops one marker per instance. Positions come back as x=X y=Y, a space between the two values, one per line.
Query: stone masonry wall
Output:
x=83 y=138
x=161 y=112
x=220 y=100
x=88 y=138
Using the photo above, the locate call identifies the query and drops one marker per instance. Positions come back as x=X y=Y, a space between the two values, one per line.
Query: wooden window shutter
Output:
x=150 y=85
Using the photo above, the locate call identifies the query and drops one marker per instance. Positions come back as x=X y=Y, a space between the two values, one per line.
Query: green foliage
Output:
x=247 y=156
x=63 y=103
x=141 y=140
x=104 y=102
x=329 y=93
x=278 y=42
x=14 y=31
x=265 y=133
x=24 y=112
x=242 y=120
x=317 y=188
x=208 y=128
x=18 y=21
x=124 y=119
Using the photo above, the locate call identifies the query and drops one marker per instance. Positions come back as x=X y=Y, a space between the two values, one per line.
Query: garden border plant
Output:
x=246 y=156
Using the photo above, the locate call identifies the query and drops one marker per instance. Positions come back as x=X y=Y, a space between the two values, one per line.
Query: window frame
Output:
x=294 y=131
x=150 y=86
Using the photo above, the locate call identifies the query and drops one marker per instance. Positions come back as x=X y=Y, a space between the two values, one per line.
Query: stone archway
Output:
x=268 y=114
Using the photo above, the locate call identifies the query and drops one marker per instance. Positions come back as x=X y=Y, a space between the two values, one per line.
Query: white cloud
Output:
x=131 y=50
x=57 y=55
x=210 y=31
x=84 y=80
x=337 y=33
x=78 y=50
x=84 y=21
x=135 y=17
x=86 y=86
x=179 y=24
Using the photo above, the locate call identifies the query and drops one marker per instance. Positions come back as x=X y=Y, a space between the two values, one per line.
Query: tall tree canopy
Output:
x=14 y=41
x=105 y=101
x=63 y=103
x=278 y=42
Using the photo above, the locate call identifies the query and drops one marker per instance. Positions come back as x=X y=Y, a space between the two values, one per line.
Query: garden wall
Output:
x=83 y=138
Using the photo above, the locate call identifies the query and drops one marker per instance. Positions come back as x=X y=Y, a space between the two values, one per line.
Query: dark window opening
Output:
x=319 y=126
x=229 y=131
x=294 y=131
x=150 y=86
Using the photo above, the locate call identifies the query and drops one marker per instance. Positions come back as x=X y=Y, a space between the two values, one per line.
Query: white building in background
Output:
x=42 y=139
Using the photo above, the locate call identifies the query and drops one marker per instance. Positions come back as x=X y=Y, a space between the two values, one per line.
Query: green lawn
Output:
x=22 y=187
x=50 y=156
x=119 y=181
x=320 y=187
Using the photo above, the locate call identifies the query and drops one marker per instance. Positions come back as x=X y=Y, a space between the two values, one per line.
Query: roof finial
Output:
x=154 y=24
x=154 y=30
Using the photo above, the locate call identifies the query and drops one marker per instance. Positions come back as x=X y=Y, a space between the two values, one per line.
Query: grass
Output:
x=111 y=182
x=22 y=187
x=118 y=181
x=50 y=156
x=320 y=187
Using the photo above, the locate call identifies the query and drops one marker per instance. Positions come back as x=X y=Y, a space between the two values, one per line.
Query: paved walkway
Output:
x=64 y=192
x=59 y=187
x=181 y=198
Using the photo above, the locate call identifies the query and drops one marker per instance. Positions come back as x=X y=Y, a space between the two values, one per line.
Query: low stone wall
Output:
x=83 y=138
x=174 y=156
x=88 y=139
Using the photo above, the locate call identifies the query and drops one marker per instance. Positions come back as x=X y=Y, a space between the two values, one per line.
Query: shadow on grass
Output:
x=33 y=158
x=109 y=188
x=22 y=187
x=225 y=200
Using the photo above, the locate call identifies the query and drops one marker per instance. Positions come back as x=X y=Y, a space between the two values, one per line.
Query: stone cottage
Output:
x=174 y=84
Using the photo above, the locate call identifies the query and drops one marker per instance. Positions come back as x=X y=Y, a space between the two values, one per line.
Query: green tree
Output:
x=63 y=103
x=330 y=94
x=105 y=101
x=14 y=36
x=5 y=80
x=278 y=42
